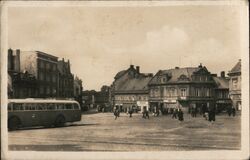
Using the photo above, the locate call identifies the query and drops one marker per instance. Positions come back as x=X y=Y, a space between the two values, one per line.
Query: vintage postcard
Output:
x=124 y=80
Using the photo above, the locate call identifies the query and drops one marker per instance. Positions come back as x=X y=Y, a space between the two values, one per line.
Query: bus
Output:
x=41 y=112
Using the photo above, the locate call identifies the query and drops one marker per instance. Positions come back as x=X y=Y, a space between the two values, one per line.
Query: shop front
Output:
x=142 y=105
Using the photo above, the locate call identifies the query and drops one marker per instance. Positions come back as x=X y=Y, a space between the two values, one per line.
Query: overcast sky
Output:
x=100 y=41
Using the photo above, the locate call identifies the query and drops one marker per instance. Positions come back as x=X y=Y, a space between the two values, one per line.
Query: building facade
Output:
x=235 y=85
x=222 y=98
x=65 y=80
x=44 y=67
x=21 y=84
x=130 y=89
x=182 y=87
x=78 y=90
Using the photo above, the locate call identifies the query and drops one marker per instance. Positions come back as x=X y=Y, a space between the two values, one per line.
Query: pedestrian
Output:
x=229 y=110
x=116 y=112
x=130 y=111
x=211 y=114
x=147 y=114
x=180 y=115
x=174 y=113
x=233 y=111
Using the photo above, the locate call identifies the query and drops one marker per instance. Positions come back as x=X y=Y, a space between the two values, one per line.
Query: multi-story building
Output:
x=182 y=87
x=78 y=90
x=44 y=67
x=21 y=84
x=88 y=98
x=222 y=98
x=130 y=89
x=235 y=85
x=66 y=80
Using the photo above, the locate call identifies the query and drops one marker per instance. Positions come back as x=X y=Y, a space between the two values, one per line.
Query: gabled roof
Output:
x=175 y=74
x=121 y=73
x=135 y=84
x=236 y=68
x=138 y=82
x=222 y=83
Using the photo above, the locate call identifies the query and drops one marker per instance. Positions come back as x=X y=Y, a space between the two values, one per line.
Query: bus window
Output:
x=16 y=107
x=60 y=106
x=32 y=107
x=76 y=106
x=50 y=106
x=69 y=106
x=9 y=106
x=40 y=107
x=21 y=107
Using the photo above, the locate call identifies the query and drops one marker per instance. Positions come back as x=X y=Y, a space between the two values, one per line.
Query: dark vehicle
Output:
x=33 y=112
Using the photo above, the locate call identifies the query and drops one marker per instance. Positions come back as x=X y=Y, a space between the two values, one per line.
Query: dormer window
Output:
x=183 y=78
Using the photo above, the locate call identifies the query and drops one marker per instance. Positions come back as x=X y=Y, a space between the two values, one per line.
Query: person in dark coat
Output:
x=174 y=114
x=211 y=114
x=233 y=111
x=147 y=114
x=180 y=115
x=116 y=113
x=229 y=111
x=130 y=111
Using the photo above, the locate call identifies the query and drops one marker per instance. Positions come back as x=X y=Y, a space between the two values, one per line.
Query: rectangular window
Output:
x=48 y=78
x=183 y=92
x=68 y=106
x=197 y=92
x=47 y=66
x=234 y=83
x=60 y=106
x=162 y=91
x=41 y=64
x=54 y=67
x=41 y=91
x=41 y=76
x=54 y=78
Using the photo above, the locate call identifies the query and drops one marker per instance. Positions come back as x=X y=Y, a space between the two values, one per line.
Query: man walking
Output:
x=174 y=113
x=180 y=115
x=130 y=111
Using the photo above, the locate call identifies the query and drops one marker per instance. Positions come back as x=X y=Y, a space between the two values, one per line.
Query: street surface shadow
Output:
x=65 y=126
x=65 y=147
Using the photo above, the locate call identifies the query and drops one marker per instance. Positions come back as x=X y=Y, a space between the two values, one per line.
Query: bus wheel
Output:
x=14 y=123
x=60 y=120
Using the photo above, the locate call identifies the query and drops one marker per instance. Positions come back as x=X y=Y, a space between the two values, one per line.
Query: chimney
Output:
x=10 y=59
x=222 y=74
x=138 y=69
x=131 y=66
x=200 y=66
x=17 y=61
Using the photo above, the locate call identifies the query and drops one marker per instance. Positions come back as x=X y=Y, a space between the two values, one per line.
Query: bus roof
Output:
x=32 y=100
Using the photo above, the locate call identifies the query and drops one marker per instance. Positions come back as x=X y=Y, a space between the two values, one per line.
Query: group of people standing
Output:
x=178 y=113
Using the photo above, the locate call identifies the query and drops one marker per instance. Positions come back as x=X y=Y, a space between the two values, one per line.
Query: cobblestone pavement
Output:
x=101 y=132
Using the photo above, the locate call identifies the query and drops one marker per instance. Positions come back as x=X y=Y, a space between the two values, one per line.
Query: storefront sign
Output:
x=142 y=103
x=169 y=101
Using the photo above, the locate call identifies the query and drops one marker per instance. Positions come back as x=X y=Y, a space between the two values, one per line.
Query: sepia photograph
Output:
x=124 y=80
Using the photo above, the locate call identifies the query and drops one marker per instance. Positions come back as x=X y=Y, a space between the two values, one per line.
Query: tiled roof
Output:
x=174 y=74
x=119 y=74
x=236 y=68
x=222 y=83
x=135 y=84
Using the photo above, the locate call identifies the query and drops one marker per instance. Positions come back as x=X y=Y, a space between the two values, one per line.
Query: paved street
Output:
x=100 y=132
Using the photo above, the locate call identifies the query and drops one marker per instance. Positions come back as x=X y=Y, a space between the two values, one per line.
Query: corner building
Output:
x=182 y=87
x=130 y=89
x=44 y=67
